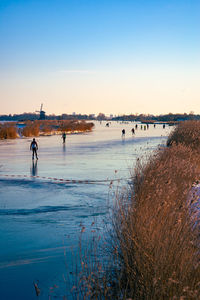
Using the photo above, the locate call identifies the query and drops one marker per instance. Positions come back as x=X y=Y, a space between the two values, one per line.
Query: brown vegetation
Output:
x=31 y=129
x=70 y=126
x=35 y=128
x=155 y=237
x=187 y=133
x=8 y=130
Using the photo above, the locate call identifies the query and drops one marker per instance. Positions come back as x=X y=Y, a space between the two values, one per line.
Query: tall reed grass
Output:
x=36 y=128
x=158 y=242
x=8 y=130
x=32 y=128
x=187 y=133
x=74 y=125
x=154 y=243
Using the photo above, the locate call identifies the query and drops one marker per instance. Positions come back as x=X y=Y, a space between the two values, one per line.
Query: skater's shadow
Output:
x=33 y=168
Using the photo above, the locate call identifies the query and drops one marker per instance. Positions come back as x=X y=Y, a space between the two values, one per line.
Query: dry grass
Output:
x=46 y=127
x=70 y=126
x=155 y=238
x=8 y=130
x=155 y=233
x=31 y=129
x=187 y=133
x=36 y=128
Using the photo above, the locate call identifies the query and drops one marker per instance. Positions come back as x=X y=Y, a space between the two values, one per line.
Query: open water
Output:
x=42 y=215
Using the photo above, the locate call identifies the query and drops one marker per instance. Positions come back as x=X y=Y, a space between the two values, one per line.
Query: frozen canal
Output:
x=41 y=218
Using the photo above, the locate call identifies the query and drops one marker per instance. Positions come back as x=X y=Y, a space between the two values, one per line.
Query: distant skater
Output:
x=133 y=131
x=123 y=133
x=34 y=148
x=64 y=137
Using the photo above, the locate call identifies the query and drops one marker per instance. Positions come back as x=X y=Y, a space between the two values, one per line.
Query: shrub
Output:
x=154 y=242
x=74 y=125
x=8 y=131
x=158 y=242
x=187 y=133
x=47 y=126
x=31 y=129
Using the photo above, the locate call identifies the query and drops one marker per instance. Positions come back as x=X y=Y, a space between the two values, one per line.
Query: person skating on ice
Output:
x=34 y=148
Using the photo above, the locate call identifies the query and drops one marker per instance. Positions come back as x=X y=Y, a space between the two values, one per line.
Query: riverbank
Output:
x=13 y=130
x=155 y=234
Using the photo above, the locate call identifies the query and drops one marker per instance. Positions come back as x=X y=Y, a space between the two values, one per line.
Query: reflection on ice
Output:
x=34 y=168
x=64 y=148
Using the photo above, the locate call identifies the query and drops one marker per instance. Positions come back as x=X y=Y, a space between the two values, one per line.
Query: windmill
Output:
x=42 y=113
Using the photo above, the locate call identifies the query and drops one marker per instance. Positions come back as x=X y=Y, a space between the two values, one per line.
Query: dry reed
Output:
x=31 y=129
x=158 y=242
x=36 y=128
x=74 y=125
x=187 y=133
x=46 y=127
x=8 y=130
x=155 y=237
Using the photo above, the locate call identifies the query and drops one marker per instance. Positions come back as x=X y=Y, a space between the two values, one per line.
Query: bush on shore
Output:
x=35 y=128
x=8 y=130
x=70 y=126
x=155 y=238
x=187 y=133
x=31 y=129
x=158 y=242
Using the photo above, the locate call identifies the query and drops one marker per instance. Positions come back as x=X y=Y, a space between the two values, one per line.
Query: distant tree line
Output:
x=133 y=117
x=160 y=118
x=33 y=117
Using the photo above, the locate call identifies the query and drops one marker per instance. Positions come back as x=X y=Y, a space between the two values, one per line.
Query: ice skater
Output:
x=133 y=131
x=64 y=137
x=34 y=148
x=123 y=133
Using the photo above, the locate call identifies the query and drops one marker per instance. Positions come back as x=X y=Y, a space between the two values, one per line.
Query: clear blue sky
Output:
x=91 y=56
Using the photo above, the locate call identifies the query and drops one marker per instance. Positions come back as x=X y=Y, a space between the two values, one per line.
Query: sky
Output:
x=90 y=56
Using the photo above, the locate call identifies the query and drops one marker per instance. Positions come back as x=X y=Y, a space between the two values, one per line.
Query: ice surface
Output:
x=42 y=218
